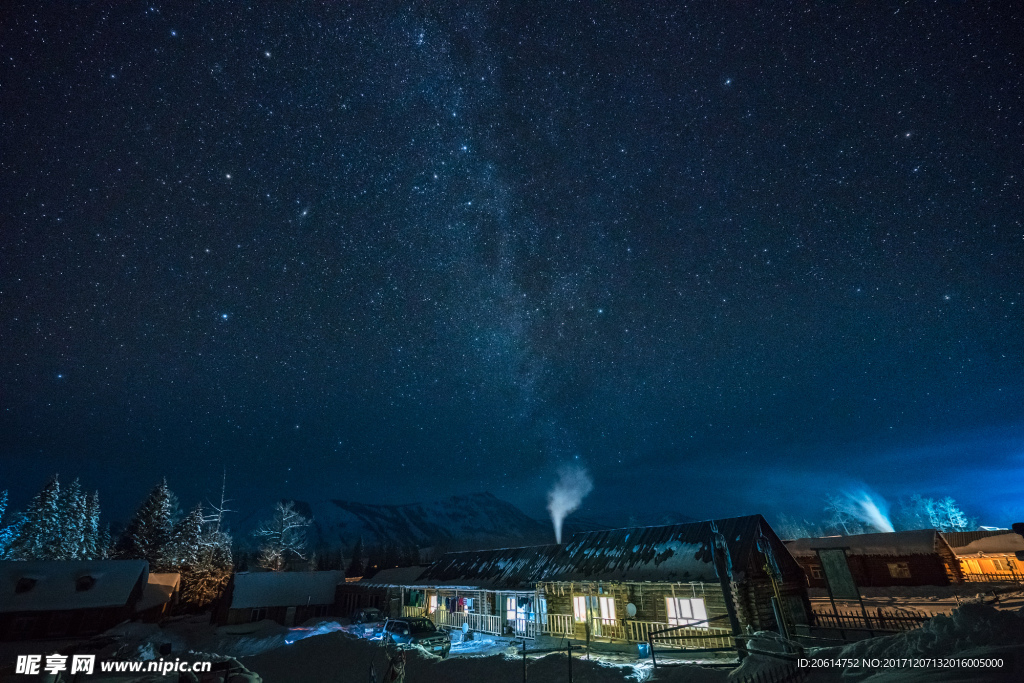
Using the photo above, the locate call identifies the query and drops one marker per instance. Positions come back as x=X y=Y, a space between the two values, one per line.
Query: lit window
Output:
x=510 y=609
x=579 y=607
x=687 y=612
x=607 y=608
x=433 y=604
x=899 y=570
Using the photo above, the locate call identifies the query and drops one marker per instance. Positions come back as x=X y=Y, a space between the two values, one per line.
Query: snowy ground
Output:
x=323 y=653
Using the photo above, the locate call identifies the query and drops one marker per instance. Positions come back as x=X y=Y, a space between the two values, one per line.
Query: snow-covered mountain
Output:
x=474 y=521
x=469 y=522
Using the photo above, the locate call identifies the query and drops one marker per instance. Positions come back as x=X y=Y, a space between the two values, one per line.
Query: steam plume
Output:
x=572 y=487
x=868 y=508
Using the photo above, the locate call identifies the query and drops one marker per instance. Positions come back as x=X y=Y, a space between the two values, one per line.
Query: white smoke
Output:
x=869 y=508
x=572 y=487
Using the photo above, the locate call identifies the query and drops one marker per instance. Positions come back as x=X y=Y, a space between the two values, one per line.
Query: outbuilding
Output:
x=988 y=555
x=288 y=598
x=920 y=557
x=61 y=599
x=161 y=595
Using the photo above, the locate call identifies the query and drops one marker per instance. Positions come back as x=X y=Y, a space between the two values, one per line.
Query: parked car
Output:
x=367 y=622
x=419 y=632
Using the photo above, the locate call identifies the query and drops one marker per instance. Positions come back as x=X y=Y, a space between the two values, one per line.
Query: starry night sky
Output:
x=727 y=257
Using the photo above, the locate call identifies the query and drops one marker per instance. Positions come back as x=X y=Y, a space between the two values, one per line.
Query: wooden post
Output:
x=568 y=649
x=524 y=660
x=723 y=568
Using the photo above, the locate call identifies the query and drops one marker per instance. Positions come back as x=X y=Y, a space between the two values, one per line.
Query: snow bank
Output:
x=683 y=673
x=340 y=658
x=972 y=625
x=973 y=630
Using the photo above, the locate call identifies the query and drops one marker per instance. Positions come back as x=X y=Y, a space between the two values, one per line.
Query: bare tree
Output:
x=840 y=518
x=283 y=538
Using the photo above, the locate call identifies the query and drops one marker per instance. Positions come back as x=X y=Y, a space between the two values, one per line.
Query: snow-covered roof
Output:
x=284 y=589
x=159 y=590
x=673 y=553
x=917 y=542
x=44 y=585
x=999 y=543
x=395 y=576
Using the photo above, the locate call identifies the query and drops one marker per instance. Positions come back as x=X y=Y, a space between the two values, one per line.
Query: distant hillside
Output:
x=475 y=521
x=470 y=522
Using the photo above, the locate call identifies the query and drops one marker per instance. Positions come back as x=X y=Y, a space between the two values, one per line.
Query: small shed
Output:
x=288 y=598
x=389 y=590
x=58 y=599
x=903 y=558
x=988 y=555
x=162 y=593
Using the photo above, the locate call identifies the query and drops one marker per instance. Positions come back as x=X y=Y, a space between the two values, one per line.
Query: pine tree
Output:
x=92 y=547
x=188 y=539
x=355 y=567
x=105 y=543
x=40 y=533
x=72 y=515
x=150 y=532
x=8 y=530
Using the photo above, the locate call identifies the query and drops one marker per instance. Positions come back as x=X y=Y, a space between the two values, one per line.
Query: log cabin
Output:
x=289 y=598
x=618 y=586
x=987 y=555
x=903 y=558
x=57 y=599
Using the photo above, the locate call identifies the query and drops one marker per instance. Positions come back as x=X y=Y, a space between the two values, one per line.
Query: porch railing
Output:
x=559 y=625
x=480 y=623
x=525 y=628
x=443 y=617
x=410 y=611
x=607 y=628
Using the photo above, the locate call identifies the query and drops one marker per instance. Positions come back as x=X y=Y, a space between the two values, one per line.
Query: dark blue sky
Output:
x=727 y=257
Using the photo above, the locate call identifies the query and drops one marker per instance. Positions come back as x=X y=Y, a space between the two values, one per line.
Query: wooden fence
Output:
x=692 y=638
x=994 y=578
x=408 y=611
x=879 y=620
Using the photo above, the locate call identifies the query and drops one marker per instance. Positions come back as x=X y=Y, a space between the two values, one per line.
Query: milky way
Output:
x=719 y=256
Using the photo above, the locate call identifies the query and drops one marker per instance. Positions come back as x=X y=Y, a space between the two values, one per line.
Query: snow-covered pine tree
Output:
x=92 y=548
x=105 y=543
x=204 y=554
x=71 y=540
x=40 y=533
x=188 y=539
x=9 y=529
x=284 y=538
x=150 y=532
